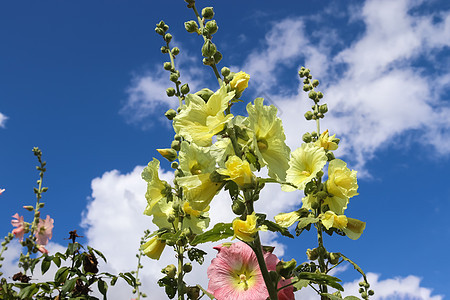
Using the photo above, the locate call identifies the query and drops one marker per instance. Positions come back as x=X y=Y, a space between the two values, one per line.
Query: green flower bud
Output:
x=159 y=31
x=323 y=108
x=312 y=254
x=191 y=26
x=364 y=295
x=217 y=57
x=320 y=95
x=301 y=74
x=177 y=137
x=238 y=207
x=161 y=24
x=205 y=94
x=330 y=156
x=208 y=13
x=170 y=271
x=306 y=87
x=185 y=88
x=174 y=76
x=284 y=268
x=312 y=95
x=371 y=292
x=187 y=267
x=319 y=174
x=314 y=205
x=174 y=165
x=315 y=83
x=367 y=285
x=334 y=258
x=225 y=71
x=211 y=26
x=164 y=49
x=175 y=145
x=208 y=61
x=170 y=114
x=169 y=154
x=307 y=138
x=29 y=207
x=166 y=27
x=309 y=115
x=314 y=134
x=208 y=49
x=361 y=290
x=176 y=51
x=170 y=91
x=168 y=37
x=361 y=283
x=167 y=66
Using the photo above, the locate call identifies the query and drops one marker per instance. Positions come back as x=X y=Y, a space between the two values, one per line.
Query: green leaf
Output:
x=114 y=280
x=57 y=261
x=28 y=291
x=220 y=231
x=98 y=253
x=233 y=189
x=205 y=292
x=300 y=283
x=306 y=221
x=69 y=285
x=197 y=255
x=171 y=237
x=46 y=264
x=129 y=278
x=351 y=298
x=357 y=268
x=102 y=287
x=61 y=275
x=272 y=226
x=331 y=296
x=321 y=279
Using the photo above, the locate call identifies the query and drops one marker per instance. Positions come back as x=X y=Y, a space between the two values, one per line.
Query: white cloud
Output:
x=3 y=119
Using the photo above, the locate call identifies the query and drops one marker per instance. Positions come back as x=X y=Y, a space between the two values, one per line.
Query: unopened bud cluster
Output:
x=309 y=85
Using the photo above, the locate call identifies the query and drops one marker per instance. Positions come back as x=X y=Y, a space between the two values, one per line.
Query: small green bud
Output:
x=177 y=137
x=320 y=95
x=320 y=115
x=167 y=66
x=361 y=283
x=371 y=292
x=168 y=37
x=170 y=114
x=314 y=134
x=161 y=24
x=361 y=290
x=323 y=108
x=208 y=61
x=301 y=74
x=367 y=285
x=208 y=49
x=307 y=138
x=176 y=51
x=312 y=254
x=166 y=27
x=315 y=83
x=170 y=271
x=238 y=207
x=164 y=49
x=41 y=205
x=319 y=174
x=306 y=81
x=159 y=31
x=185 y=88
x=3 y=244
x=312 y=95
x=191 y=26
x=205 y=94
x=309 y=115
x=208 y=13
x=217 y=57
x=211 y=26
x=174 y=76
x=334 y=258
x=171 y=218
x=29 y=207
x=314 y=205
x=306 y=87
x=169 y=154
x=187 y=267
x=174 y=165
x=170 y=91
x=225 y=71
x=364 y=295
x=175 y=145
x=330 y=156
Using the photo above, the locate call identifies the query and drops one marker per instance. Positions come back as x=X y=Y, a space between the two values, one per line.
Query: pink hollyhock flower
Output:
x=1 y=191
x=20 y=224
x=235 y=274
x=44 y=231
x=42 y=249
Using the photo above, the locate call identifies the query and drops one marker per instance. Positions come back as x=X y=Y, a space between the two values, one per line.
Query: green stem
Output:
x=177 y=84
x=316 y=109
x=180 y=285
x=271 y=286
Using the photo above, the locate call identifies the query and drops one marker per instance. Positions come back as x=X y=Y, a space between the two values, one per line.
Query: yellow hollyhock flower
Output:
x=153 y=248
x=304 y=165
x=156 y=188
x=198 y=122
x=326 y=141
x=195 y=160
x=287 y=219
x=240 y=81
x=199 y=190
x=239 y=171
x=245 y=230
x=195 y=219
x=352 y=228
x=342 y=184
x=268 y=138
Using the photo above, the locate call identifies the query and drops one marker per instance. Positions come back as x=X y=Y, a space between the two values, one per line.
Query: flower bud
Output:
x=170 y=271
x=175 y=145
x=371 y=292
x=166 y=27
x=159 y=31
x=174 y=76
x=174 y=165
x=177 y=137
x=161 y=24
x=170 y=92
x=306 y=87
x=312 y=254
x=225 y=71
x=284 y=268
x=164 y=49
x=176 y=51
x=205 y=94
x=187 y=267
x=315 y=83
x=29 y=207
x=167 y=66
x=330 y=156
x=361 y=290
x=208 y=13
x=334 y=258
x=211 y=26
x=217 y=57
x=168 y=37
x=308 y=115
x=208 y=49
x=169 y=154
x=320 y=95
x=191 y=26
x=312 y=95
x=323 y=108
x=238 y=207
x=208 y=61
x=170 y=114
x=185 y=88
x=307 y=138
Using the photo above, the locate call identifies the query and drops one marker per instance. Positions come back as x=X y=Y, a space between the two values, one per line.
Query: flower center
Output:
x=243 y=280
x=262 y=145
x=306 y=173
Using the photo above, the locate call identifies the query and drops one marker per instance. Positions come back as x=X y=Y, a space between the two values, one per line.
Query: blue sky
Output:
x=84 y=82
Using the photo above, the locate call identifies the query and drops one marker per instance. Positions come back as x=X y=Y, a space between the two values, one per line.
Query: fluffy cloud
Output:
x=3 y=119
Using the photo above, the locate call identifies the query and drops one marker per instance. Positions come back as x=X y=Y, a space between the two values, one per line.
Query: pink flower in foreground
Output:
x=235 y=275
x=20 y=224
x=44 y=231
x=1 y=191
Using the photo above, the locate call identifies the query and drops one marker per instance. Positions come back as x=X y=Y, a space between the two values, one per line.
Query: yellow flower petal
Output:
x=245 y=230
x=153 y=248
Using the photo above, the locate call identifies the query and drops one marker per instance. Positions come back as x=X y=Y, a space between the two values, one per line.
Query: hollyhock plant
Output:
x=44 y=231
x=235 y=274
x=20 y=226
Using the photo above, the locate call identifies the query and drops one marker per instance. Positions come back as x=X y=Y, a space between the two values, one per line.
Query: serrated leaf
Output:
x=357 y=268
x=272 y=226
x=300 y=283
x=306 y=221
x=219 y=232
